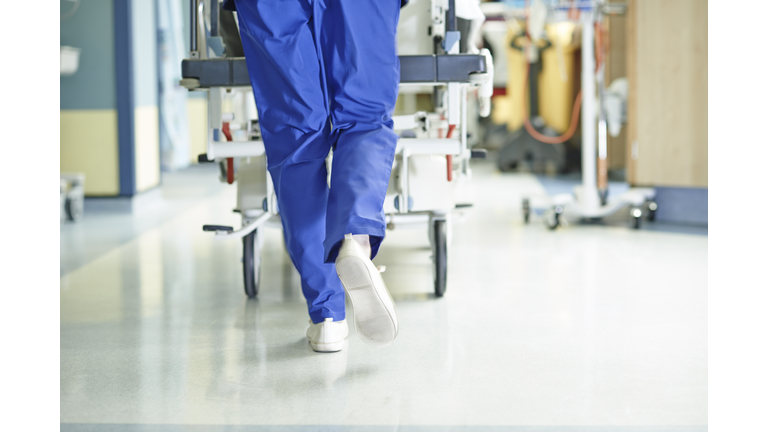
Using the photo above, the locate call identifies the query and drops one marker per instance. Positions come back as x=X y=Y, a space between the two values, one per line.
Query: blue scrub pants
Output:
x=325 y=73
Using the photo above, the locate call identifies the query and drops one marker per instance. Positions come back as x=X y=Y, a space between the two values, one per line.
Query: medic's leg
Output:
x=359 y=50
x=282 y=59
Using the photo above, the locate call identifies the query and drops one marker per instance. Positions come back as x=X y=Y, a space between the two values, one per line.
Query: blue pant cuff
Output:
x=332 y=244
x=321 y=315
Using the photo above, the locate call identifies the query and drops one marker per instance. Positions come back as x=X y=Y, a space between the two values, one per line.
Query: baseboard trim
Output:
x=682 y=205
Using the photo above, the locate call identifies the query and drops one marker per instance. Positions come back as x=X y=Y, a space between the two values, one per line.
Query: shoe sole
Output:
x=374 y=321
x=327 y=347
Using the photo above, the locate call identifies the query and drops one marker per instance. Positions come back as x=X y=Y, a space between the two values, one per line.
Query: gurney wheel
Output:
x=440 y=256
x=251 y=263
x=526 y=210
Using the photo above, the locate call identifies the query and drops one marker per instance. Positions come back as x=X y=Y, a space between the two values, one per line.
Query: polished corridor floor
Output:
x=588 y=328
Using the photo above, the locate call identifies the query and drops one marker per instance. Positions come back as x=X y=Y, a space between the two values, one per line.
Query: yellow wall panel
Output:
x=197 y=109
x=147 y=138
x=88 y=144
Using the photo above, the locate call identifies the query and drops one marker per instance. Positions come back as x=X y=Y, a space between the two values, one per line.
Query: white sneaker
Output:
x=327 y=336
x=375 y=316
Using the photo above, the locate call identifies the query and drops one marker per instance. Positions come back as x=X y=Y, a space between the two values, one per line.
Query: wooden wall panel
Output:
x=615 y=67
x=631 y=129
x=668 y=93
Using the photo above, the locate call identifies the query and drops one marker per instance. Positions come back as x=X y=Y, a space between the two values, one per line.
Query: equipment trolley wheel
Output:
x=252 y=263
x=74 y=209
x=553 y=219
x=440 y=255
x=526 y=210
x=652 y=206
x=637 y=216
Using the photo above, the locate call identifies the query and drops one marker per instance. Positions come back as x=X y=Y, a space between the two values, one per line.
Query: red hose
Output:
x=225 y=131
x=573 y=12
x=547 y=139
x=528 y=126
x=449 y=158
x=230 y=161
x=601 y=45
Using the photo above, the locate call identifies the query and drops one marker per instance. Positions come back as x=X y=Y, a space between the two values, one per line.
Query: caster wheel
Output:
x=73 y=209
x=637 y=217
x=553 y=219
x=252 y=263
x=603 y=196
x=652 y=206
x=526 y=210
x=440 y=256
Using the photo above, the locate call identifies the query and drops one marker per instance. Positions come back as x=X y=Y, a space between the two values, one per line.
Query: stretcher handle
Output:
x=217 y=228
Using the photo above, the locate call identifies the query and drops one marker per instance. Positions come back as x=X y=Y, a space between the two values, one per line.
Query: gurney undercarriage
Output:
x=432 y=155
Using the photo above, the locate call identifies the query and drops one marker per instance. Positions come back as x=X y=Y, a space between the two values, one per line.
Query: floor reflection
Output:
x=536 y=328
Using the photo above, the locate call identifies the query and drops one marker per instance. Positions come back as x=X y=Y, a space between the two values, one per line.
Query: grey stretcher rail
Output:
x=233 y=72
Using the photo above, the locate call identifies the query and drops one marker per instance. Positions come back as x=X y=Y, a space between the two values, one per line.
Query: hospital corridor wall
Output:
x=109 y=107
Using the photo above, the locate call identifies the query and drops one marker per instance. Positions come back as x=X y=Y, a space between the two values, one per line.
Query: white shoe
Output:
x=327 y=336
x=375 y=316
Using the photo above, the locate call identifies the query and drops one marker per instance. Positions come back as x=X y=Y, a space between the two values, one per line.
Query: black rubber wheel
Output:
x=251 y=263
x=652 y=206
x=74 y=209
x=440 y=257
x=554 y=221
x=526 y=210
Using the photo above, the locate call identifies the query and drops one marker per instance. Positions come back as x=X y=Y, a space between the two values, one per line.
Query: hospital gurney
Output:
x=425 y=164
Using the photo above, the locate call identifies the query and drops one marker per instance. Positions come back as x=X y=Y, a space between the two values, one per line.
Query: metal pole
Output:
x=405 y=189
x=463 y=101
x=602 y=149
x=465 y=152
x=589 y=196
